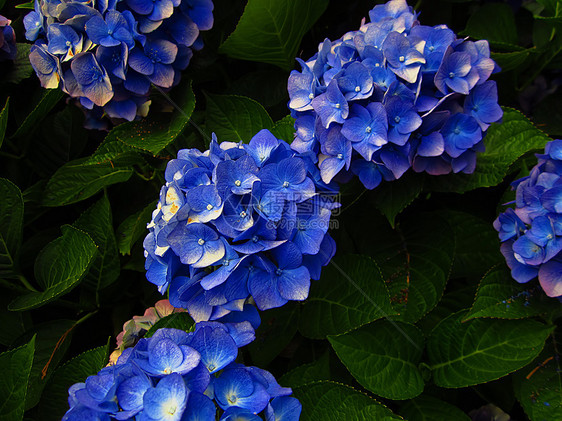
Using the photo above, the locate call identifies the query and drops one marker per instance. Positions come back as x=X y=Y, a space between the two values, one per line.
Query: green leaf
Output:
x=350 y=293
x=97 y=222
x=270 y=31
x=308 y=373
x=60 y=266
x=235 y=118
x=284 y=129
x=278 y=327
x=16 y=366
x=4 y=121
x=494 y=22
x=182 y=321
x=501 y=297
x=393 y=198
x=428 y=408
x=133 y=228
x=11 y=219
x=477 y=247
x=330 y=401
x=539 y=386
x=77 y=181
x=13 y=324
x=383 y=357
x=21 y=67
x=52 y=339
x=512 y=60
x=29 y=5
x=548 y=116
x=54 y=402
x=49 y=99
x=415 y=260
x=481 y=350
x=505 y=143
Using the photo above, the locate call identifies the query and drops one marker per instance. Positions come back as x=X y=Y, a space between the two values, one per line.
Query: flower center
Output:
x=237 y=183
x=243 y=214
x=368 y=129
x=209 y=206
x=401 y=59
x=311 y=95
x=451 y=75
x=397 y=119
x=338 y=106
x=285 y=184
x=200 y=241
x=457 y=131
x=232 y=399
x=357 y=89
x=340 y=156
x=431 y=48
x=278 y=272
x=255 y=239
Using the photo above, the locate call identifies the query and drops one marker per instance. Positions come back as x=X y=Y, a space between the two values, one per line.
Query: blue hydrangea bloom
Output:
x=108 y=53
x=8 y=48
x=188 y=376
x=397 y=92
x=241 y=221
x=531 y=234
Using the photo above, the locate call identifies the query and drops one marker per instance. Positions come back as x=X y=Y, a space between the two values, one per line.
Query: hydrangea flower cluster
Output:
x=134 y=329
x=175 y=375
x=8 y=48
x=239 y=220
x=393 y=95
x=107 y=53
x=531 y=234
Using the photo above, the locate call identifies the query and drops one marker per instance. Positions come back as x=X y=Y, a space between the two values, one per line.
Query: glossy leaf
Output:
x=330 y=401
x=21 y=69
x=97 y=222
x=383 y=357
x=133 y=228
x=77 y=181
x=393 y=198
x=54 y=402
x=308 y=373
x=501 y=297
x=235 y=118
x=11 y=220
x=428 y=408
x=180 y=321
x=350 y=293
x=16 y=366
x=49 y=98
x=60 y=266
x=480 y=350
x=270 y=31
x=538 y=386
x=284 y=129
x=505 y=143
x=494 y=22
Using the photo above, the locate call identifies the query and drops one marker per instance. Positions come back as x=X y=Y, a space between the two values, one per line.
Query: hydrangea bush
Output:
x=108 y=53
x=530 y=233
x=237 y=198
x=239 y=220
x=394 y=95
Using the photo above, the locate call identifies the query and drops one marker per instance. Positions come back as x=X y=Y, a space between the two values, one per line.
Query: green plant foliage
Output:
x=494 y=22
x=234 y=118
x=78 y=180
x=11 y=219
x=499 y=297
x=48 y=100
x=270 y=31
x=308 y=373
x=480 y=350
x=133 y=228
x=538 y=386
x=4 y=121
x=428 y=408
x=505 y=143
x=180 y=321
x=383 y=356
x=60 y=266
x=330 y=401
x=352 y=293
x=53 y=402
x=16 y=366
